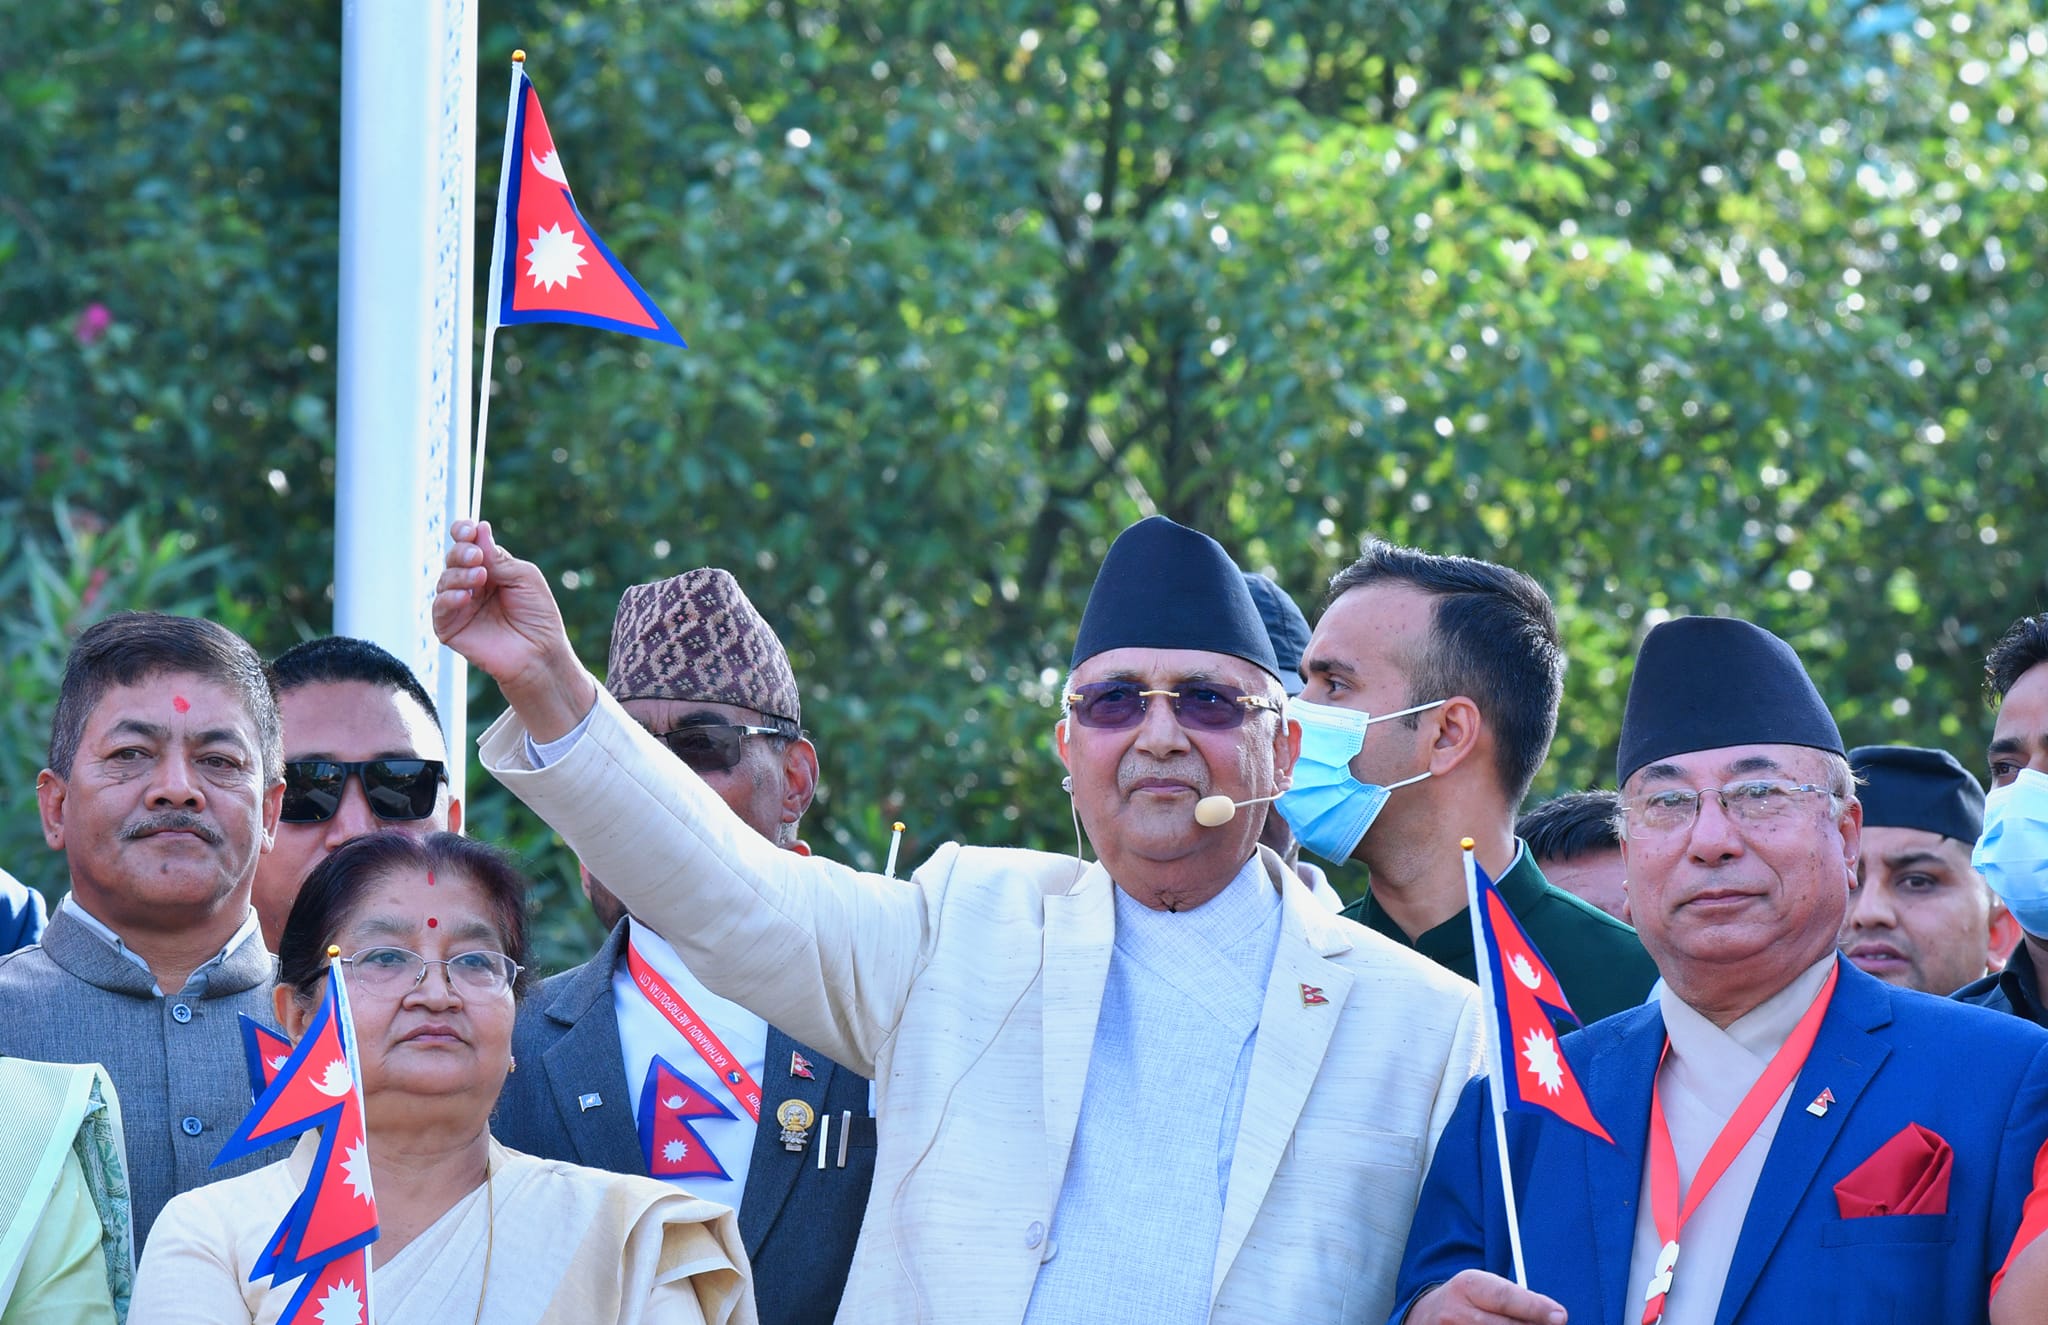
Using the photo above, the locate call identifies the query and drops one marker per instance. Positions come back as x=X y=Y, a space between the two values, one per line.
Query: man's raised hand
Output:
x=498 y=612
x=1474 y=1297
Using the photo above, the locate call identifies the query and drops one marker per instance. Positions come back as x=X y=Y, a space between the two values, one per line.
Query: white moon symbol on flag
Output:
x=335 y=1082
x=672 y=1102
x=1527 y=974
x=550 y=166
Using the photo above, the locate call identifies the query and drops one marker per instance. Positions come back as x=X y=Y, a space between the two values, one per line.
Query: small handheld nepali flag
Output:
x=1524 y=994
x=558 y=269
x=325 y=1235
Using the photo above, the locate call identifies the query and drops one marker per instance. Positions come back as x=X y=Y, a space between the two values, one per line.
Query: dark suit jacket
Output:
x=1891 y=1057
x=799 y=1222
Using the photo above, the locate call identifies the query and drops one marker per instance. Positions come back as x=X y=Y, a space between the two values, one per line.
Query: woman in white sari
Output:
x=433 y=931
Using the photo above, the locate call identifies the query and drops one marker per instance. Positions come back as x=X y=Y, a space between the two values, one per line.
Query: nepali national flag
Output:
x=672 y=1148
x=306 y=1091
x=546 y=263
x=337 y=1213
x=1531 y=1070
x=265 y=1051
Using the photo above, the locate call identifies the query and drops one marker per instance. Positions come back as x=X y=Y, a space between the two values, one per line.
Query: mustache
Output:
x=172 y=821
x=1135 y=770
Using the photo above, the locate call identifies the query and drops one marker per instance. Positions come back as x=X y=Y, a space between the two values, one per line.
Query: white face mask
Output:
x=2012 y=852
x=1328 y=809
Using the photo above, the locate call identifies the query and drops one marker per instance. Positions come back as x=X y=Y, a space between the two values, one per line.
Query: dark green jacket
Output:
x=1599 y=961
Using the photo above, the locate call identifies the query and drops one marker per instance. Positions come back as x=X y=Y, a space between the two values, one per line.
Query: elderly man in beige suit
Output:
x=1169 y=1086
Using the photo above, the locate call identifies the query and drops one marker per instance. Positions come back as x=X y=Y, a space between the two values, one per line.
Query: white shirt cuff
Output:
x=540 y=756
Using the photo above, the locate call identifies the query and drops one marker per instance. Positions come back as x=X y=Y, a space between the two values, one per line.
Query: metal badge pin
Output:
x=796 y=1118
x=1819 y=1107
x=585 y=1103
x=824 y=1136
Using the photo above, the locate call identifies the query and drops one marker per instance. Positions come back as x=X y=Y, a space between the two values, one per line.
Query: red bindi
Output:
x=180 y=703
x=430 y=878
x=433 y=923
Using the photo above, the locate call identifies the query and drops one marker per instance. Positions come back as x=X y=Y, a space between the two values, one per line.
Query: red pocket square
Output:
x=1907 y=1176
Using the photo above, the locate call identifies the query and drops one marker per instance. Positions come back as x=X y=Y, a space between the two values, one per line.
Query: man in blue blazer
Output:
x=629 y=1063
x=1792 y=1139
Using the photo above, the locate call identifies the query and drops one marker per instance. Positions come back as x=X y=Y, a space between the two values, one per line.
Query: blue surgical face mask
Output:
x=1328 y=809
x=2012 y=854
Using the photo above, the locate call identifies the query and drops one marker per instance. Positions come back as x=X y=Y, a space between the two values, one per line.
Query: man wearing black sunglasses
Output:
x=603 y=1048
x=1167 y=1086
x=363 y=750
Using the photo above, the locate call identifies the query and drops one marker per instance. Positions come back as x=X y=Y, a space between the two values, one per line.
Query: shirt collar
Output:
x=1222 y=922
x=1760 y=1032
x=113 y=940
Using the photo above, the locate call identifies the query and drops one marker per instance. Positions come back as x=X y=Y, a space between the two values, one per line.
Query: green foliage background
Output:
x=1682 y=307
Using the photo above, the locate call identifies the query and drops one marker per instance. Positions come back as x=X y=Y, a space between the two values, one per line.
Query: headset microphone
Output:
x=1216 y=811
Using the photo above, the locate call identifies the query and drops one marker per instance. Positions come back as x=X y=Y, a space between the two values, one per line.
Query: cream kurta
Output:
x=566 y=1246
x=1702 y=1081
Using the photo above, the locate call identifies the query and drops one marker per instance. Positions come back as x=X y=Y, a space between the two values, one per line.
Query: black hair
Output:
x=2023 y=647
x=337 y=884
x=1575 y=824
x=338 y=659
x=128 y=648
x=1493 y=638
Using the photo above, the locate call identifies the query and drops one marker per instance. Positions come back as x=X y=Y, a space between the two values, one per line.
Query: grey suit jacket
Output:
x=176 y=1060
x=799 y=1222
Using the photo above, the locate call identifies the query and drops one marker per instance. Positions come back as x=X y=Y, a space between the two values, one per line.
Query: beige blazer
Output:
x=970 y=993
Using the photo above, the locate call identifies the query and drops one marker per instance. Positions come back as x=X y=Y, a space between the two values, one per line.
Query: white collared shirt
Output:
x=92 y=922
x=644 y=1032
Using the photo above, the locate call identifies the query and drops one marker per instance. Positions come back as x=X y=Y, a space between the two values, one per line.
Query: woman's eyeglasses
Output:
x=479 y=974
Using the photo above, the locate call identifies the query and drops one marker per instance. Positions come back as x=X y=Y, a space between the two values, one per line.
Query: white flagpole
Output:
x=895 y=841
x=483 y=404
x=1483 y=965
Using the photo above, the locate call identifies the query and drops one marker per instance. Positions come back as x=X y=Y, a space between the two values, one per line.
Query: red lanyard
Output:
x=693 y=1028
x=1749 y=1115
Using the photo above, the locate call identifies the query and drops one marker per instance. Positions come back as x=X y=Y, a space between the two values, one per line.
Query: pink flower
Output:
x=92 y=323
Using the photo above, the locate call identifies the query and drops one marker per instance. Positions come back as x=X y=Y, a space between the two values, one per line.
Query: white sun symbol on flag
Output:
x=674 y=1151
x=1526 y=973
x=356 y=1167
x=342 y=1305
x=1541 y=1051
x=553 y=257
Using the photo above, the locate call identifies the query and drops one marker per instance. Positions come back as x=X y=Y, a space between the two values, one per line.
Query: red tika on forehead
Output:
x=180 y=703
x=433 y=922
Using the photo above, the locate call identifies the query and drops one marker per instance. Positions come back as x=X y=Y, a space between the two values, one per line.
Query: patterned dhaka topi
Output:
x=695 y=637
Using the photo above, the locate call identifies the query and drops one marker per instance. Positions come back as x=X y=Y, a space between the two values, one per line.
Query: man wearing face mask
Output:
x=1433 y=686
x=2012 y=853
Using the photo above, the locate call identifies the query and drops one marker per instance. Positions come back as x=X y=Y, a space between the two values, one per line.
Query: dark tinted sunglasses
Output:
x=1200 y=705
x=711 y=747
x=395 y=788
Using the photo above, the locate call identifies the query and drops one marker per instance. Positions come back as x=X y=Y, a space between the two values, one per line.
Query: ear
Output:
x=50 y=791
x=1851 y=828
x=1286 y=749
x=1059 y=740
x=2005 y=936
x=273 y=805
x=292 y=1012
x=799 y=778
x=454 y=814
x=1459 y=733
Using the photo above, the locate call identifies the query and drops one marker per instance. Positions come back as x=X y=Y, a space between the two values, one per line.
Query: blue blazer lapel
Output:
x=586 y=1060
x=773 y=1170
x=1846 y=1055
x=1617 y=1079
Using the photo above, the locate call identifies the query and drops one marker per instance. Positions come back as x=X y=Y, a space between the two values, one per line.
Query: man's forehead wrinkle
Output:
x=154 y=731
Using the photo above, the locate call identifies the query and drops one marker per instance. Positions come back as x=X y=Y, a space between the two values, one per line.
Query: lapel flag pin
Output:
x=586 y=1103
x=1819 y=1107
x=1312 y=995
x=800 y=1066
